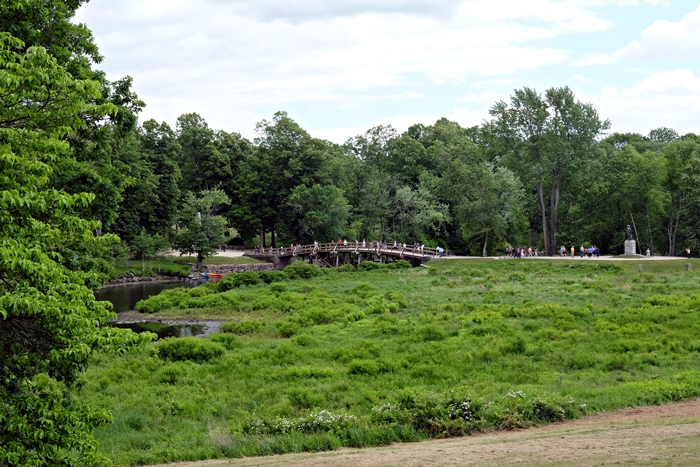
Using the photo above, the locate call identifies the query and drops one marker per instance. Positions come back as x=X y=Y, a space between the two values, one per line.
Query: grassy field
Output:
x=367 y=358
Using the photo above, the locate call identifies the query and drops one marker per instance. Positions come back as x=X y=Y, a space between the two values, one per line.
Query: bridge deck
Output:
x=336 y=248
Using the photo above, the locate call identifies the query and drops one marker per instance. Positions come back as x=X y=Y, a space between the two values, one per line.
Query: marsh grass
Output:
x=369 y=358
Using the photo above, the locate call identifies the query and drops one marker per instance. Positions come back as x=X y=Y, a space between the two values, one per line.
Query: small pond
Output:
x=124 y=297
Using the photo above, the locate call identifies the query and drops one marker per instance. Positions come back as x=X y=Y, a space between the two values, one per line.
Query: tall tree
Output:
x=152 y=200
x=202 y=229
x=547 y=140
x=681 y=162
x=49 y=319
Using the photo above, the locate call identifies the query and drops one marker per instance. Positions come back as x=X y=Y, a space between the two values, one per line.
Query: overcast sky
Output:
x=339 y=67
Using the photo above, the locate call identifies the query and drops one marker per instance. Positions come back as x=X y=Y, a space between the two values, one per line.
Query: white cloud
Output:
x=582 y=79
x=666 y=39
x=670 y=99
x=663 y=39
x=235 y=60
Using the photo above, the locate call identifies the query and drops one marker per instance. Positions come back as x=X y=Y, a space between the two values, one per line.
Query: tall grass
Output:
x=369 y=358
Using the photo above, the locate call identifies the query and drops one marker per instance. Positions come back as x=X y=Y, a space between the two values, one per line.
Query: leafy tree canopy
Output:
x=49 y=319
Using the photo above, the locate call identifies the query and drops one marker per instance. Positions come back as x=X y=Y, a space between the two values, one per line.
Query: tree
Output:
x=202 y=230
x=492 y=205
x=322 y=210
x=285 y=157
x=681 y=163
x=48 y=24
x=151 y=202
x=49 y=319
x=548 y=141
x=417 y=215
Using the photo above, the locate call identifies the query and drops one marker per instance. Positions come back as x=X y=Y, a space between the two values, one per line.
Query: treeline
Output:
x=541 y=173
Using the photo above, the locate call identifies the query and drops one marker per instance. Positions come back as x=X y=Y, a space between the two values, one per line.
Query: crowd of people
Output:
x=294 y=249
x=529 y=252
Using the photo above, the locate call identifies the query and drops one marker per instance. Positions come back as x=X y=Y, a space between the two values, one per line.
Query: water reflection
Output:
x=125 y=296
x=164 y=329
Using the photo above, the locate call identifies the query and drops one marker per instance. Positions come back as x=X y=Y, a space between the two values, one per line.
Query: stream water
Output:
x=124 y=297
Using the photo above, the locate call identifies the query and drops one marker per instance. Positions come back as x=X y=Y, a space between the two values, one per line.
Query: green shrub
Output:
x=346 y=268
x=239 y=279
x=400 y=264
x=189 y=348
x=272 y=276
x=369 y=367
x=154 y=304
x=169 y=374
x=514 y=346
x=288 y=328
x=278 y=287
x=431 y=332
x=229 y=341
x=370 y=266
x=300 y=270
x=241 y=327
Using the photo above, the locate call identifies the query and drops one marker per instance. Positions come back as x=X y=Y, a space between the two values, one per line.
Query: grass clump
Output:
x=189 y=348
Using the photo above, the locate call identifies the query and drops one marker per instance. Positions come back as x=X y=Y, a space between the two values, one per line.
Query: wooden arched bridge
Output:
x=337 y=254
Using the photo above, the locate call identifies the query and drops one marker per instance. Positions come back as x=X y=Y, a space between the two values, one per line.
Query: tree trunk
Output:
x=672 y=232
x=486 y=241
x=651 y=238
x=636 y=234
x=262 y=238
x=548 y=250
x=272 y=238
x=553 y=211
x=200 y=260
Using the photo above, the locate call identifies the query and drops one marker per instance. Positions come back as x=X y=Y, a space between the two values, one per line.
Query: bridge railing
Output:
x=336 y=248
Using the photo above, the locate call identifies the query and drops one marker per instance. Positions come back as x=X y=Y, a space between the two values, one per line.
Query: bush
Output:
x=301 y=270
x=288 y=328
x=369 y=367
x=514 y=346
x=272 y=276
x=431 y=332
x=189 y=348
x=278 y=287
x=400 y=264
x=241 y=327
x=229 y=341
x=346 y=268
x=371 y=265
x=174 y=270
x=239 y=279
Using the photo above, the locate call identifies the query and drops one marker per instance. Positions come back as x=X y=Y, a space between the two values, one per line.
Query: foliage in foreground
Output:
x=48 y=316
x=370 y=358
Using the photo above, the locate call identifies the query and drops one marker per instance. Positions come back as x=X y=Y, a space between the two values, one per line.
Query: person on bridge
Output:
x=363 y=243
x=345 y=243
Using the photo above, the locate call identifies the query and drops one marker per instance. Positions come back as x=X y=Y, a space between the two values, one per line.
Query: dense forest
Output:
x=542 y=172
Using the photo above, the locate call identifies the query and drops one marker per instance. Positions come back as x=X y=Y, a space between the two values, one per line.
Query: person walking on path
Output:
x=582 y=251
x=572 y=251
x=648 y=253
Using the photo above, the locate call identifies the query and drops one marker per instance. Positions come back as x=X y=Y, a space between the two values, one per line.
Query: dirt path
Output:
x=666 y=435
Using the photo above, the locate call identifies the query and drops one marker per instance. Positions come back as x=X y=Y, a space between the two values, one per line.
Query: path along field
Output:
x=667 y=435
x=320 y=360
